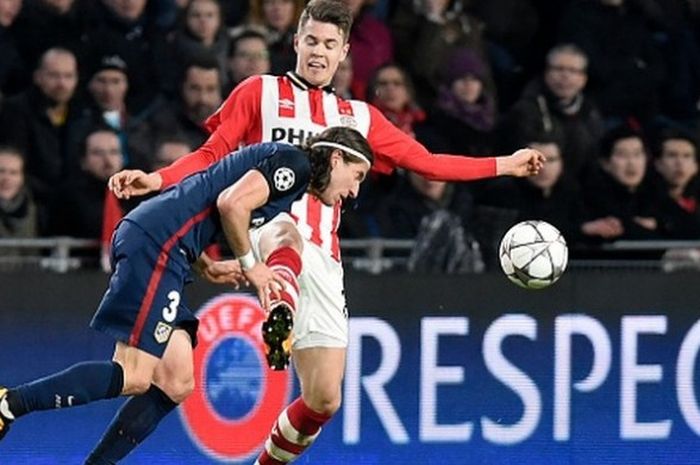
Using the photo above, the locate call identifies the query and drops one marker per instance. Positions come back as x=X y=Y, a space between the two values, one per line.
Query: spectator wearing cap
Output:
x=108 y=87
x=464 y=113
x=127 y=29
x=555 y=104
x=38 y=120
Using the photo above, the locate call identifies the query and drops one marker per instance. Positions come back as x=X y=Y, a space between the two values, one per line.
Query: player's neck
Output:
x=305 y=84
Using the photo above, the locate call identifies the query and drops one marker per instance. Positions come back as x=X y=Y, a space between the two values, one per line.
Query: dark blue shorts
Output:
x=143 y=304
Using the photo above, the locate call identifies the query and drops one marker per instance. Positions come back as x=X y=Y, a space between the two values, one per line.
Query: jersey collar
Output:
x=303 y=84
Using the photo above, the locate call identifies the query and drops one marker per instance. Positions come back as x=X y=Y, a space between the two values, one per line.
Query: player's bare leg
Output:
x=280 y=248
x=320 y=371
x=172 y=382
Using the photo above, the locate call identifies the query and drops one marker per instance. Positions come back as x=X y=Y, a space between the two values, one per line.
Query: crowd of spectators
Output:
x=608 y=90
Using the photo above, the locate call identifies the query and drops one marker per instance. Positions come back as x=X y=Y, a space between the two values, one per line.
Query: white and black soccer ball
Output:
x=533 y=254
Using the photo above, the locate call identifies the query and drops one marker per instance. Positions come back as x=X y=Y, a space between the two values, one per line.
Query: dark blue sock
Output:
x=77 y=385
x=137 y=418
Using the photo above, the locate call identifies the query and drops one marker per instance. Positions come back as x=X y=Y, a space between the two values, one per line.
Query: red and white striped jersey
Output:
x=287 y=108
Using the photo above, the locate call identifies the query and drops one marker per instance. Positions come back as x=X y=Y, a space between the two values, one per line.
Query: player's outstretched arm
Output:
x=394 y=148
x=524 y=162
x=133 y=183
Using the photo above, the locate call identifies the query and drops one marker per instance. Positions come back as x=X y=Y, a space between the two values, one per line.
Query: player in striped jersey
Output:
x=154 y=249
x=291 y=108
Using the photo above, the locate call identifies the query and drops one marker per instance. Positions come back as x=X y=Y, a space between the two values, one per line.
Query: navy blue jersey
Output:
x=184 y=218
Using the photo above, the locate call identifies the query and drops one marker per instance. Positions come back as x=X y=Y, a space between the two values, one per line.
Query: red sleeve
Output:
x=112 y=214
x=236 y=121
x=394 y=148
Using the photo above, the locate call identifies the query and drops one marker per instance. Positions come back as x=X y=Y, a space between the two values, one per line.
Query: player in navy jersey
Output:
x=154 y=249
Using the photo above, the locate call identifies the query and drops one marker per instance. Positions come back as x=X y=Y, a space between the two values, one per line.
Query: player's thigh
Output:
x=280 y=232
x=320 y=371
x=139 y=368
x=174 y=375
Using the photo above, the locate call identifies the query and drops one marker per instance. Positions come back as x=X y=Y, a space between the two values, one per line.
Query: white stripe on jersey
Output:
x=296 y=130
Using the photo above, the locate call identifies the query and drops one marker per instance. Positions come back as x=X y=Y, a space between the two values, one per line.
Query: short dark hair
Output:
x=320 y=156
x=93 y=129
x=11 y=149
x=328 y=11
x=245 y=34
x=674 y=133
x=614 y=135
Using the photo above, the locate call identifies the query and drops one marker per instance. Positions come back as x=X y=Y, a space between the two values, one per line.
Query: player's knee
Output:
x=136 y=383
x=325 y=402
x=179 y=388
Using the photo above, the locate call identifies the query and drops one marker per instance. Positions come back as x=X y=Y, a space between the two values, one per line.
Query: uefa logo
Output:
x=237 y=398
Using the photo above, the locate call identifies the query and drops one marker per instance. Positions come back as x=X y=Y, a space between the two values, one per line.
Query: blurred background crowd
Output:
x=608 y=90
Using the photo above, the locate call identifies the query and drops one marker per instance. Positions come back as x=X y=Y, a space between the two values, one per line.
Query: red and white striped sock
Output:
x=294 y=431
x=285 y=262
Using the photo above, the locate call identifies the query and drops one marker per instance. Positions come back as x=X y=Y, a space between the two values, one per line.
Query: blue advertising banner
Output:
x=600 y=369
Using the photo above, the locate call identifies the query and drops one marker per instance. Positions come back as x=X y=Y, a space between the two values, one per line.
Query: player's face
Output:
x=320 y=48
x=345 y=180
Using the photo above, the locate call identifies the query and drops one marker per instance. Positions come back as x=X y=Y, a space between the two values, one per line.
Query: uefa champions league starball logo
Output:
x=237 y=398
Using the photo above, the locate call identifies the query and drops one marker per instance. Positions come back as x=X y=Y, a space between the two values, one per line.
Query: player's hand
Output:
x=224 y=272
x=266 y=282
x=524 y=162
x=128 y=183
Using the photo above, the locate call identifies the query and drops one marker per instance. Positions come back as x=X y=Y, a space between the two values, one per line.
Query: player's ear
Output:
x=336 y=157
x=344 y=53
x=296 y=43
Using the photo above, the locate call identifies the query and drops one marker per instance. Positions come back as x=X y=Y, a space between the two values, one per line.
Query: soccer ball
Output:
x=533 y=254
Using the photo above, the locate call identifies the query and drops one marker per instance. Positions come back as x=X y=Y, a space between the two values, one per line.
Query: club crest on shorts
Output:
x=238 y=398
x=162 y=332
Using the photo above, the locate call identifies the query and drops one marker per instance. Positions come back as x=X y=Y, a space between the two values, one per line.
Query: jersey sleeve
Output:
x=393 y=148
x=231 y=125
x=287 y=173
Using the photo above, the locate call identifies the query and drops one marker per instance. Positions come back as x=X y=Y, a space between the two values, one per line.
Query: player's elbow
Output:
x=228 y=203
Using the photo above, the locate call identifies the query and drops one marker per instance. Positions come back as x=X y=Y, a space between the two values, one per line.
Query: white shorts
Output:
x=321 y=319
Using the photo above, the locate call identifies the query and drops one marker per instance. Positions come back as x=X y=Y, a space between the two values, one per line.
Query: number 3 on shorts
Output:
x=170 y=312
